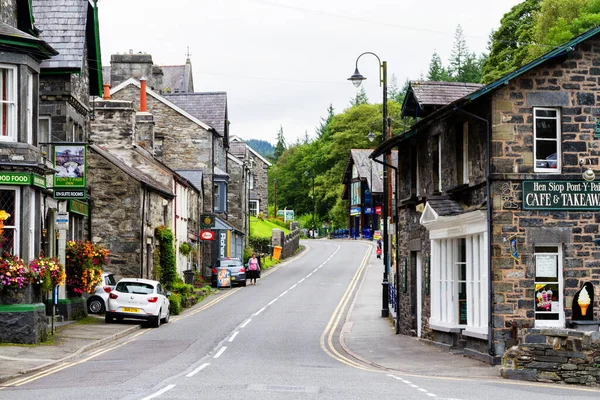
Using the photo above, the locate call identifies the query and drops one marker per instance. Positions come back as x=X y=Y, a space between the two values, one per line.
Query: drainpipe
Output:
x=488 y=193
x=142 y=235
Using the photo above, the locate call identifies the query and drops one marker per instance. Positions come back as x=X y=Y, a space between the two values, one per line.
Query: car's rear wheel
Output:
x=156 y=320
x=108 y=318
x=95 y=305
x=165 y=320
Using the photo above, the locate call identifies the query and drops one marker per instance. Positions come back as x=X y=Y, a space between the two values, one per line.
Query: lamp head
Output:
x=356 y=78
x=371 y=136
x=589 y=175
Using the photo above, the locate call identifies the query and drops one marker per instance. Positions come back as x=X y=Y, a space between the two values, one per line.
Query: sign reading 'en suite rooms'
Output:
x=561 y=195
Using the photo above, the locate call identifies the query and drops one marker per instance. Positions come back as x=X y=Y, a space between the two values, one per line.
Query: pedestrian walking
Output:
x=253 y=269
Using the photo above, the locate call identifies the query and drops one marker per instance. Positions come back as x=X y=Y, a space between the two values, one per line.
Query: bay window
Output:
x=8 y=103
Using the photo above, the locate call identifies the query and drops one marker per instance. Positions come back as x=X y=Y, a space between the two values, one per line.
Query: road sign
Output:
x=62 y=220
x=207 y=235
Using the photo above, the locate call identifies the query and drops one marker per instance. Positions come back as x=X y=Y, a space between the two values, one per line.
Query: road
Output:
x=276 y=340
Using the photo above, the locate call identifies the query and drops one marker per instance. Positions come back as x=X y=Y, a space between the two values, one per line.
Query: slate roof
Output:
x=63 y=25
x=423 y=97
x=194 y=176
x=372 y=172
x=444 y=206
x=209 y=107
x=178 y=78
x=134 y=173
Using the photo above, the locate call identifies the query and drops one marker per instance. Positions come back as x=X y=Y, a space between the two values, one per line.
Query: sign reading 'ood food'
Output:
x=561 y=195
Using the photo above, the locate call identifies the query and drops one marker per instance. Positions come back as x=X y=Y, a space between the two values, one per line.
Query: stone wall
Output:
x=137 y=66
x=555 y=355
x=8 y=12
x=570 y=84
x=289 y=243
x=22 y=316
x=113 y=126
x=261 y=184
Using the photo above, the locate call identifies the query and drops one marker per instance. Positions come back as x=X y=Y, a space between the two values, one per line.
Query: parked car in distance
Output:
x=138 y=299
x=234 y=266
x=97 y=302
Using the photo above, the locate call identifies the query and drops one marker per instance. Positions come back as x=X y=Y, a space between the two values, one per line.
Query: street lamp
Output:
x=313 y=203
x=357 y=79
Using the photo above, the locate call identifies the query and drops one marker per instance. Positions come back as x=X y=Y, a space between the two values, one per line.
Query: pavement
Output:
x=365 y=335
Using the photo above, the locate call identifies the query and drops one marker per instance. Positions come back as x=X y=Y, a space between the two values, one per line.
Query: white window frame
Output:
x=251 y=209
x=560 y=322
x=12 y=104
x=250 y=180
x=445 y=234
x=558 y=168
x=29 y=108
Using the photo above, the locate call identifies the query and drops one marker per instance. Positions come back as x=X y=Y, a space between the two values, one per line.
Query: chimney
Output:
x=106 y=93
x=143 y=107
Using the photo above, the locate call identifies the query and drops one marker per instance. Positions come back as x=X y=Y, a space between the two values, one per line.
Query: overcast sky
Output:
x=282 y=62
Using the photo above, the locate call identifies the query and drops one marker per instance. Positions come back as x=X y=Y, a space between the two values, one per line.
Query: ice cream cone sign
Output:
x=583 y=301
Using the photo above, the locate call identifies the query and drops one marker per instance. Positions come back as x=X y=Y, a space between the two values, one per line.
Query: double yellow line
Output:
x=327 y=335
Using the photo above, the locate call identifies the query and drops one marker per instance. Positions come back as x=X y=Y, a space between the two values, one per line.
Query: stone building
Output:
x=363 y=189
x=67 y=81
x=258 y=177
x=22 y=171
x=122 y=166
x=498 y=226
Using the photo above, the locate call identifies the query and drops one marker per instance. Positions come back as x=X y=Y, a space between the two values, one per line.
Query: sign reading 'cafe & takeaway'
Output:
x=561 y=195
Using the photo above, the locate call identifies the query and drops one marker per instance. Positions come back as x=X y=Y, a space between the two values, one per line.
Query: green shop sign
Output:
x=22 y=178
x=78 y=207
x=561 y=195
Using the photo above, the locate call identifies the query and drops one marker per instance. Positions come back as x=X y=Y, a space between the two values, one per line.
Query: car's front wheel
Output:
x=95 y=305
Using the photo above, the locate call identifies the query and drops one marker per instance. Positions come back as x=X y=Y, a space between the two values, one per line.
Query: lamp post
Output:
x=357 y=79
x=313 y=203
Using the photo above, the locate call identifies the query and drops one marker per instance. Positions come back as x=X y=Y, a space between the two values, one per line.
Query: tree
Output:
x=437 y=72
x=360 y=98
x=561 y=20
x=459 y=54
x=280 y=146
x=511 y=43
x=323 y=129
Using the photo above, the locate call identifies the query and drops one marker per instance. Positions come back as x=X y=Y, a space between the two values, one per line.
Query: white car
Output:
x=138 y=299
x=98 y=301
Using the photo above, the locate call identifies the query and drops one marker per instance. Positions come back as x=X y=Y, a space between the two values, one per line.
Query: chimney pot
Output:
x=143 y=107
x=106 y=92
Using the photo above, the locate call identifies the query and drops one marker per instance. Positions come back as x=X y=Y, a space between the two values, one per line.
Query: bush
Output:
x=175 y=306
x=168 y=268
x=182 y=288
x=259 y=244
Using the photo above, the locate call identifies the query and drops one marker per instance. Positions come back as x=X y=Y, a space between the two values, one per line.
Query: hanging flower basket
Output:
x=84 y=264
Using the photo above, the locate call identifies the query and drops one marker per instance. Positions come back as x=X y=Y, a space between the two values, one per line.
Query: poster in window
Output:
x=546 y=266
x=69 y=161
x=546 y=297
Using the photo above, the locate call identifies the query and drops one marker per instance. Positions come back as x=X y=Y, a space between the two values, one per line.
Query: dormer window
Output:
x=8 y=103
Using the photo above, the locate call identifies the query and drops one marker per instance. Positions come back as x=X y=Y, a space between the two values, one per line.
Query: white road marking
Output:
x=233 y=336
x=293 y=286
x=200 y=368
x=259 y=311
x=414 y=386
x=246 y=323
x=409 y=383
x=273 y=301
x=284 y=293
x=301 y=280
x=431 y=395
x=422 y=390
x=221 y=351
x=161 y=391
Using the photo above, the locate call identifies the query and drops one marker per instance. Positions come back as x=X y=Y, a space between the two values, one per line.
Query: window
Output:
x=548 y=286
x=459 y=283
x=9 y=202
x=253 y=205
x=436 y=156
x=76 y=224
x=45 y=135
x=8 y=103
x=250 y=180
x=29 y=108
x=462 y=154
x=220 y=197
x=546 y=144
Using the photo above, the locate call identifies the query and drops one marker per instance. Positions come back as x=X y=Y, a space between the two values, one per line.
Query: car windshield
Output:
x=135 y=287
